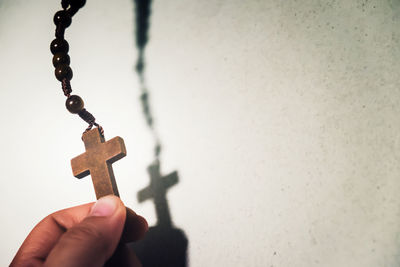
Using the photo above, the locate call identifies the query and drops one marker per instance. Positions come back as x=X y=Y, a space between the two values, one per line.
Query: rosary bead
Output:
x=63 y=72
x=64 y=4
x=77 y=3
x=74 y=104
x=61 y=59
x=59 y=46
x=62 y=18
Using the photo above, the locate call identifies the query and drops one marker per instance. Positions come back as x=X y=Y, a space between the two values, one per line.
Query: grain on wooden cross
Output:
x=97 y=161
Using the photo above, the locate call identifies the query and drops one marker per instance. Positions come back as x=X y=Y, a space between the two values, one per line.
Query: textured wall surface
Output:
x=281 y=118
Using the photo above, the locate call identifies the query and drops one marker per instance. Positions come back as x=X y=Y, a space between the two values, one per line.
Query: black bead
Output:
x=59 y=46
x=61 y=59
x=74 y=104
x=64 y=3
x=63 y=72
x=77 y=3
x=62 y=18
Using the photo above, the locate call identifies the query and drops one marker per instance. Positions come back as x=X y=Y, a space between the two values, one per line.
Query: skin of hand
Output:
x=86 y=235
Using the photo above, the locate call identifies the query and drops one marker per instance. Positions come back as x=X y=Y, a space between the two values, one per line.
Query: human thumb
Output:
x=92 y=241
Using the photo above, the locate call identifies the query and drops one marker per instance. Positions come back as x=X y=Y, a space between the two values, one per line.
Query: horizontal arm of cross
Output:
x=145 y=194
x=79 y=166
x=115 y=149
x=170 y=180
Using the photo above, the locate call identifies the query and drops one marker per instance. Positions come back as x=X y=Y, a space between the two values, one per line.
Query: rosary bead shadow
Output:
x=164 y=244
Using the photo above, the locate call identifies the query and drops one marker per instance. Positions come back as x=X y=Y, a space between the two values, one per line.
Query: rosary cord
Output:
x=59 y=47
x=66 y=87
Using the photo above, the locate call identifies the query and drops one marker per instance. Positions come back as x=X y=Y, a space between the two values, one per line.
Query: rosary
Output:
x=100 y=154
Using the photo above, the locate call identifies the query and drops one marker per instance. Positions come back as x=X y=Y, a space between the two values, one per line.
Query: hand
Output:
x=86 y=235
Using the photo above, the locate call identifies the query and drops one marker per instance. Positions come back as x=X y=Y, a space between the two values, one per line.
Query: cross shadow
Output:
x=164 y=245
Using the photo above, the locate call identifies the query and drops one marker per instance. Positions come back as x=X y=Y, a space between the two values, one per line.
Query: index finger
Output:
x=46 y=233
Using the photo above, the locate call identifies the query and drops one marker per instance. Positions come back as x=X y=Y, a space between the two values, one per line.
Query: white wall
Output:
x=281 y=117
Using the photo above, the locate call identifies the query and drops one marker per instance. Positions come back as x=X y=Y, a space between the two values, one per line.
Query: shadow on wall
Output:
x=164 y=245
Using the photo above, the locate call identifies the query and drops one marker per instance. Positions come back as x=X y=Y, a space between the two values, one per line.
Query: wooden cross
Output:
x=97 y=161
x=158 y=190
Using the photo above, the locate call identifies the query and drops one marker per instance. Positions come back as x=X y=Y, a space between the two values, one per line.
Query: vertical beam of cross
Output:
x=97 y=161
x=157 y=190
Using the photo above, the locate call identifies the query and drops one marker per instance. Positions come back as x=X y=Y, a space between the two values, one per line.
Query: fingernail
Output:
x=105 y=206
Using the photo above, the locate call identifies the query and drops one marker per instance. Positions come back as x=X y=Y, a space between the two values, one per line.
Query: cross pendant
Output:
x=97 y=161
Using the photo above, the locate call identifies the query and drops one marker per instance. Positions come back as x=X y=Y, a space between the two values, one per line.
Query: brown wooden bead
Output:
x=63 y=72
x=59 y=46
x=62 y=18
x=77 y=3
x=74 y=104
x=61 y=59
